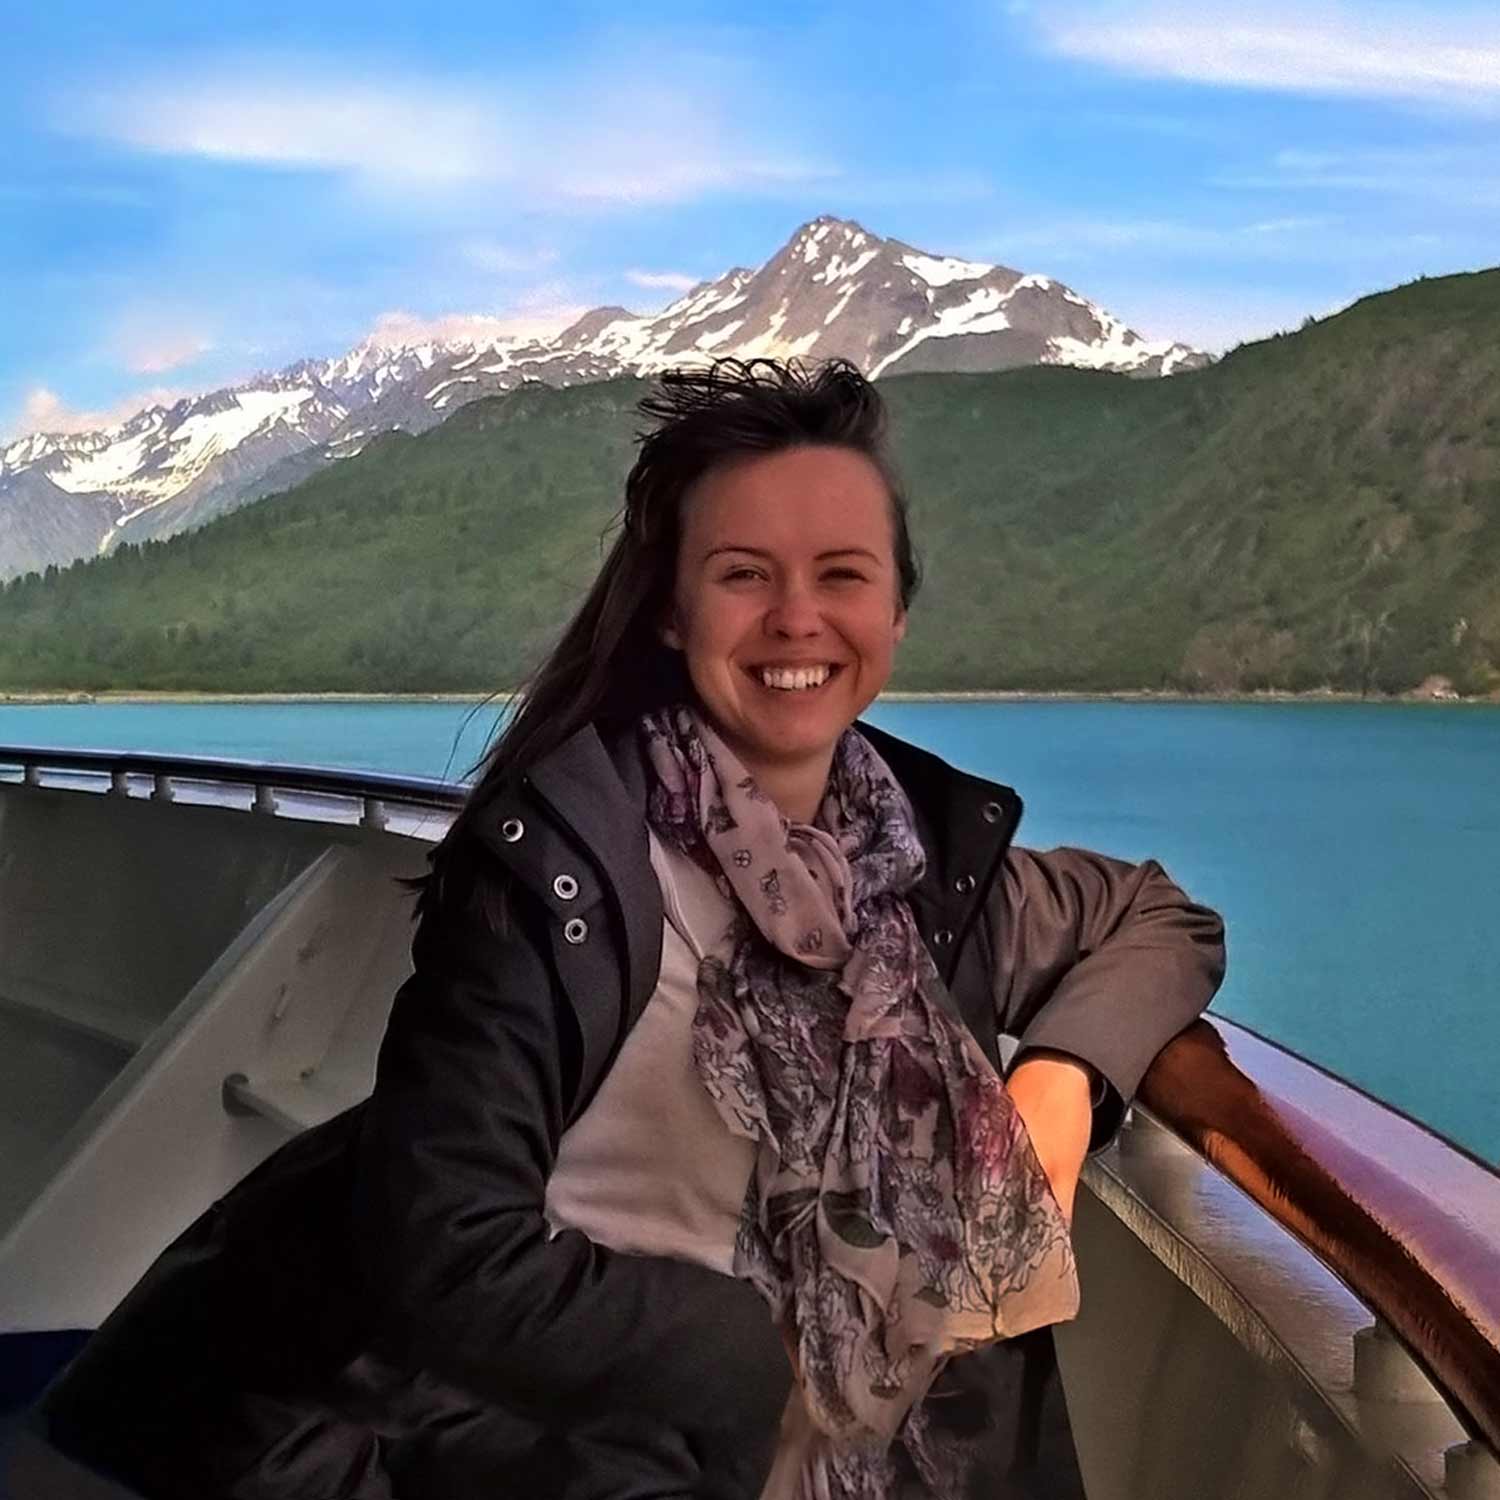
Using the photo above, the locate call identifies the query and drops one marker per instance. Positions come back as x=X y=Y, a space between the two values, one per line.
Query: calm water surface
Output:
x=1351 y=848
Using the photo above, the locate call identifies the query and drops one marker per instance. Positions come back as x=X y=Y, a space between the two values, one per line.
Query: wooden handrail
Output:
x=1428 y=1275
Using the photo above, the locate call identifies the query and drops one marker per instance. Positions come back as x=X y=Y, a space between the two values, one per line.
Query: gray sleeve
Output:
x=1102 y=960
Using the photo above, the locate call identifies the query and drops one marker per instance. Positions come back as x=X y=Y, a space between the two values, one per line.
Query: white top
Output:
x=650 y=1166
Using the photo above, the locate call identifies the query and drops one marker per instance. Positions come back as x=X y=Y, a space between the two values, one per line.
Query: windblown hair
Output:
x=610 y=665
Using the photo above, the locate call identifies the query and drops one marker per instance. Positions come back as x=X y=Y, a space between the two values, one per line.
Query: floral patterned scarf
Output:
x=897 y=1214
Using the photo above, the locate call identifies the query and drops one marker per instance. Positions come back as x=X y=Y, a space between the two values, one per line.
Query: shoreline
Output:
x=955 y=695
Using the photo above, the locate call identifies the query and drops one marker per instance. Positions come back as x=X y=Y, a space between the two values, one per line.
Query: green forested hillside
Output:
x=1320 y=509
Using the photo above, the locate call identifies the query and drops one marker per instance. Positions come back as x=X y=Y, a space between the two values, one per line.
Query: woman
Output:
x=688 y=1170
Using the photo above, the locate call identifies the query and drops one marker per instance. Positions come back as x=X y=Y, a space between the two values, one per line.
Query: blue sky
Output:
x=192 y=194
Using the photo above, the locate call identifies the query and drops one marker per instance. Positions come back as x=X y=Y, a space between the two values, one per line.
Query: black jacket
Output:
x=379 y=1310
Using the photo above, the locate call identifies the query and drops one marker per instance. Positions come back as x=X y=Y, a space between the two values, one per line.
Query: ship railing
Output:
x=1407 y=1220
x=325 y=793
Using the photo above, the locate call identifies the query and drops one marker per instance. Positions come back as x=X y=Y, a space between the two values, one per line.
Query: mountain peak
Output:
x=827 y=233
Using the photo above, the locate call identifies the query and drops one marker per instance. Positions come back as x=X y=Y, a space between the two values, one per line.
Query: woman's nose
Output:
x=794 y=613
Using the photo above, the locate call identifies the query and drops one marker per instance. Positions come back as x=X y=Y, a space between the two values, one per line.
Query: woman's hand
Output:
x=1054 y=1095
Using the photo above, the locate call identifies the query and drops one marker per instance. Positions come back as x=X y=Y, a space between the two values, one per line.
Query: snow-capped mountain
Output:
x=833 y=290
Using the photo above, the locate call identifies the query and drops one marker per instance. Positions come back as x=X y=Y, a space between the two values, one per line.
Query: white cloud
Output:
x=155 y=356
x=1380 y=51
x=633 y=125
x=663 y=281
x=539 y=319
x=392 y=128
x=43 y=410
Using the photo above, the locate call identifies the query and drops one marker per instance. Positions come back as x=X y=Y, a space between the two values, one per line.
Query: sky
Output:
x=191 y=194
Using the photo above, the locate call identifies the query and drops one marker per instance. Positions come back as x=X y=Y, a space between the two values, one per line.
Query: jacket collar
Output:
x=595 y=786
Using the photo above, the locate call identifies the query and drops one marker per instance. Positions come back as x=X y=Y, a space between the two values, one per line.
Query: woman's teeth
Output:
x=794 y=679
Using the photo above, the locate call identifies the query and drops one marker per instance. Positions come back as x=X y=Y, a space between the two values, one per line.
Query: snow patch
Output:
x=1117 y=348
x=939 y=272
x=845 y=294
x=116 y=525
x=446 y=387
x=26 y=450
x=205 y=435
x=717 y=337
x=982 y=311
x=772 y=344
x=113 y=464
x=838 y=267
x=733 y=301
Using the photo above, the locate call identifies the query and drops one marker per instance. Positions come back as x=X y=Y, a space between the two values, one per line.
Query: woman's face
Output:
x=787 y=604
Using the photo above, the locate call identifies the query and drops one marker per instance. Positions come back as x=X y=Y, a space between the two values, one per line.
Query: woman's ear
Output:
x=899 y=628
x=667 y=630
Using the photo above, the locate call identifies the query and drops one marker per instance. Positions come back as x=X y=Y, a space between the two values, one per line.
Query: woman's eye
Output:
x=843 y=574
x=734 y=575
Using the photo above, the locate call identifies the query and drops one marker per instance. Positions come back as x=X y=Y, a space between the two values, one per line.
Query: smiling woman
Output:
x=690 y=1167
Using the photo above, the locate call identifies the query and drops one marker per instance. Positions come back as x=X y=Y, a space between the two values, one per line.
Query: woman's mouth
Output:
x=802 y=679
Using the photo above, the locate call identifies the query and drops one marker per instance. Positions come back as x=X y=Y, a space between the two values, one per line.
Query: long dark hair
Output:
x=610 y=665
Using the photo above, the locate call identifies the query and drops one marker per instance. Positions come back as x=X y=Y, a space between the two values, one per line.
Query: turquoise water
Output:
x=1352 y=848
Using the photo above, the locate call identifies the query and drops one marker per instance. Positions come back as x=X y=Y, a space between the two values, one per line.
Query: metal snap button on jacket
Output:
x=512 y=829
x=565 y=887
x=943 y=936
x=576 y=930
x=964 y=884
x=991 y=811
